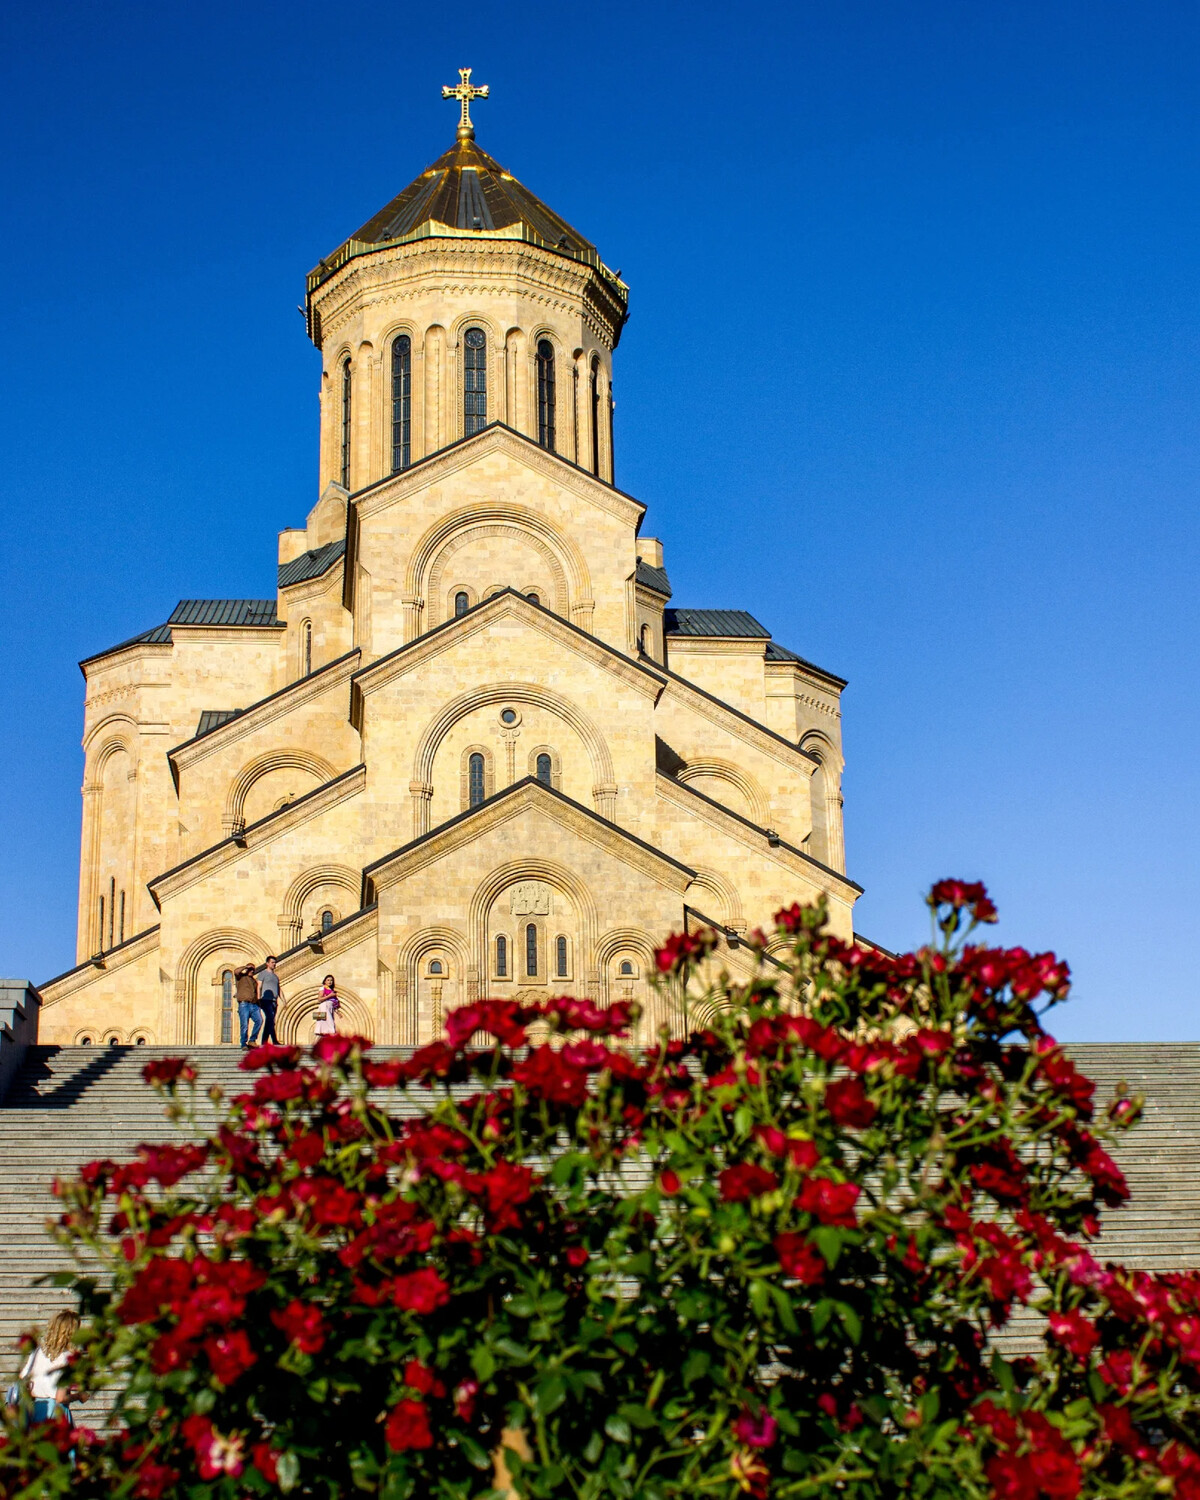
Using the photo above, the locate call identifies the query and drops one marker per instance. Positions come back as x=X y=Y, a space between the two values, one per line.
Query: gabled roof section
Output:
x=527 y=791
x=238 y=612
x=714 y=622
x=311 y=564
x=213 y=718
x=468 y=193
x=157 y=635
x=653 y=578
x=728 y=624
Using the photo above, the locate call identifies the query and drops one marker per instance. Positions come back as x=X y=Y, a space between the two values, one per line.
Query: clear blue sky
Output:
x=911 y=374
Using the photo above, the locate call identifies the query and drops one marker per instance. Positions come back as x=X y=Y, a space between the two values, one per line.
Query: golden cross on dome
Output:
x=464 y=93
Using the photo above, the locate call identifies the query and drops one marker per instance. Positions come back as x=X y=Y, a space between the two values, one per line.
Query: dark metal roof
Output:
x=213 y=718
x=776 y=652
x=250 y=612
x=466 y=189
x=653 y=578
x=311 y=564
x=159 y=635
x=714 y=622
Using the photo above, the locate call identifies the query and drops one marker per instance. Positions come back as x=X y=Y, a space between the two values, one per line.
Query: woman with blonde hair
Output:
x=327 y=1008
x=45 y=1366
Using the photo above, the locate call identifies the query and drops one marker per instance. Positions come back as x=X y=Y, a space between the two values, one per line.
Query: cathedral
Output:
x=468 y=746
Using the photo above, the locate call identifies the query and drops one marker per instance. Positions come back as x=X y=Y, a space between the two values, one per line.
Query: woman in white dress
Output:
x=327 y=1008
x=45 y=1366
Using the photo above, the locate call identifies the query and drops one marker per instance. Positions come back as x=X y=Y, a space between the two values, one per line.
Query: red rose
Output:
x=830 y=1202
x=422 y=1379
x=744 y=1181
x=755 y=1432
x=215 y=1453
x=577 y=1256
x=169 y=1071
x=268 y=1054
x=266 y=1461
x=304 y=1325
x=669 y=1182
x=230 y=1355
x=847 y=1102
x=1074 y=1332
x=420 y=1292
x=799 y=1258
x=408 y=1426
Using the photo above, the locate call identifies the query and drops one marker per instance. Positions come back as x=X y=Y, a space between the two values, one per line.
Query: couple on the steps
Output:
x=259 y=999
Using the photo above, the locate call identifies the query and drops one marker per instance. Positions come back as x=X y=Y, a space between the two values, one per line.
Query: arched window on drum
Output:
x=474 y=381
x=545 y=770
x=531 y=950
x=501 y=957
x=545 y=393
x=475 y=781
x=401 y=402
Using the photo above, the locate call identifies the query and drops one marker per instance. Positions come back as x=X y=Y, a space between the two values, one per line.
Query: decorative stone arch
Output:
x=442 y=586
x=187 y=971
x=291 y=918
x=464 y=774
x=490 y=513
x=553 y=874
x=724 y=893
x=497 y=346
x=115 y=734
x=294 y=1019
x=263 y=765
x=826 y=841
x=604 y=788
x=408 y=974
x=725 y=770
x=555 y=764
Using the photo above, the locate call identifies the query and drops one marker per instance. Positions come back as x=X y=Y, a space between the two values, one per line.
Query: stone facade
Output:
x=469 y=748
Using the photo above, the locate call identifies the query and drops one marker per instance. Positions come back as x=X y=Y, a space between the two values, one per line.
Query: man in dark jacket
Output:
x=269 y=997
x=250 y=1014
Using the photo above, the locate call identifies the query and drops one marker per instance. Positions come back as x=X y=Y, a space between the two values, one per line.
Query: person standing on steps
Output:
x=270 y=996
x=250 y=1016
x=45 y=1367
x=328 y=1008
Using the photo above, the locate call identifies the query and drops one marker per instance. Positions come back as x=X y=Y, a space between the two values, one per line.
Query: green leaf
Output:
x=288 y=1468
x=477 y=1455
x=851 y=1322
x=638 y=1416
x=828 y=1241
x=760 y=1298
x=549 y=1394
x=483 y=1362
x=743 y=1119
x=617 y=1428
x=522 y=1306
x=696 y=1366
x=783 y=1305
x=516 y=1352
x=1002 y=1373
x=595 y=1447
x=821 y=1314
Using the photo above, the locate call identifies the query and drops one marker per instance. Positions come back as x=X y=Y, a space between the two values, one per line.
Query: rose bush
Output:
x=765 y=1259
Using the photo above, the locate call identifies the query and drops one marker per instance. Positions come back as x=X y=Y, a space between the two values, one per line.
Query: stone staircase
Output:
x=69 y=1105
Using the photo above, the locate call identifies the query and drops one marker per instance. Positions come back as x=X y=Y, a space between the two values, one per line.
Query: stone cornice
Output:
x=523 y=796
x=439 y=466
x=135 y=652
x=63 y=986
x=828 y=682
x=717 y=815
x=282 y=821
x=328 y=582
x=508 y=604
x=722 y=645
x=723 y=714
x=332 y=675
